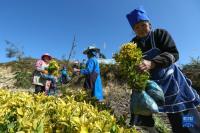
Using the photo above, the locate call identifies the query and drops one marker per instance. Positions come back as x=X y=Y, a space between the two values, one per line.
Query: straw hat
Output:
x=46 y=54
x=91 y=48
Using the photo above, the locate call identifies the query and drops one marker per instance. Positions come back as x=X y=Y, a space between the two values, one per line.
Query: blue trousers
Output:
x=176 y=120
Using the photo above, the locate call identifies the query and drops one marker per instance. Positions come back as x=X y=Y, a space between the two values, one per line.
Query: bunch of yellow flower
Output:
x=129 y=57
x=53 y=68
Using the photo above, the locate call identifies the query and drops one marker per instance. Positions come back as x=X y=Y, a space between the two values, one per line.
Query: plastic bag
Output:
x=154 y=90
x=142 y=104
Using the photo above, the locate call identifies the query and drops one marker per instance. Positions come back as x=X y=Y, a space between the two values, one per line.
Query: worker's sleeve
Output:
x=169 y=53
x=38 y=65
x=89 y=67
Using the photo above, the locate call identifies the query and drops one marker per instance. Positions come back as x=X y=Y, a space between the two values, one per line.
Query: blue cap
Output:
x=137 y=15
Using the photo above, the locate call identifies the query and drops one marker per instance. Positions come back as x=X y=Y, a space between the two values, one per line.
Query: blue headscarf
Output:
x=137 y=15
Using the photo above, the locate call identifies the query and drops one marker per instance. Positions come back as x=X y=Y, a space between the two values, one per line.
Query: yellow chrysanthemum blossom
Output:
x=129 y=57
x=53 y=68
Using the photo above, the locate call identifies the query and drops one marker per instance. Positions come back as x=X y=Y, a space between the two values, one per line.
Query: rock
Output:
x=7 y=78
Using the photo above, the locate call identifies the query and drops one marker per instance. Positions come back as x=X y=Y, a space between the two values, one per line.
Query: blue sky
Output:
x=41 y=26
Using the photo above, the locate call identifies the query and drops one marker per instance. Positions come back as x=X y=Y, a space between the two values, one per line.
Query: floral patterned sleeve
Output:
x=39 y=65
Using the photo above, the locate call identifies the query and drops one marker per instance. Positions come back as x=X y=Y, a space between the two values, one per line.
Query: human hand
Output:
x=45 y=71
x=146 y=65
x=76 y=70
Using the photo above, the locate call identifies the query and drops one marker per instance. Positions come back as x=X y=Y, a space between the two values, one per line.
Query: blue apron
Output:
x=179 y=95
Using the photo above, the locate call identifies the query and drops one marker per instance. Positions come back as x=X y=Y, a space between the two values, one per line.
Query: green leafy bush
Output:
x=23 y=112
x=192 y=71
x=23 y=79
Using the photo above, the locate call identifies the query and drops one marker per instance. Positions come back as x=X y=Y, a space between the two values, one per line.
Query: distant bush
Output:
x=23 y=79
x=12 y=51
x=192 y=71
x=109 y=72
x=23 y=70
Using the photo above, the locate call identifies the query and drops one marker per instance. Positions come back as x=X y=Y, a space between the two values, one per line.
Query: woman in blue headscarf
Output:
x=92 y=73
x=160 y=54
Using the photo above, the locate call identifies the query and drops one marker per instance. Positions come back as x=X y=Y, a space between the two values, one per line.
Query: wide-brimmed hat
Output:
x=91 y=48
x=46 y=54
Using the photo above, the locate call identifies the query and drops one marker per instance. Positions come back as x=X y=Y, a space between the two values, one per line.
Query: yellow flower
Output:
x=129 y=57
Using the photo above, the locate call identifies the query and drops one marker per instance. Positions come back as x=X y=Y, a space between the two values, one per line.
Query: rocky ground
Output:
x=119 y=97
x=7 y=78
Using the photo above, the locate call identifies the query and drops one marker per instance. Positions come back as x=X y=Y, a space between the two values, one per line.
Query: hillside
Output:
x=16 y=76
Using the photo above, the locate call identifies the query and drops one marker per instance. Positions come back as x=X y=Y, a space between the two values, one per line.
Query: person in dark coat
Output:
x=159 y=56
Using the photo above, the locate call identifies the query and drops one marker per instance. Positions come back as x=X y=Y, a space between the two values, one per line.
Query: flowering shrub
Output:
x=26 y=113
x=53 y=68
x=129 y=57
